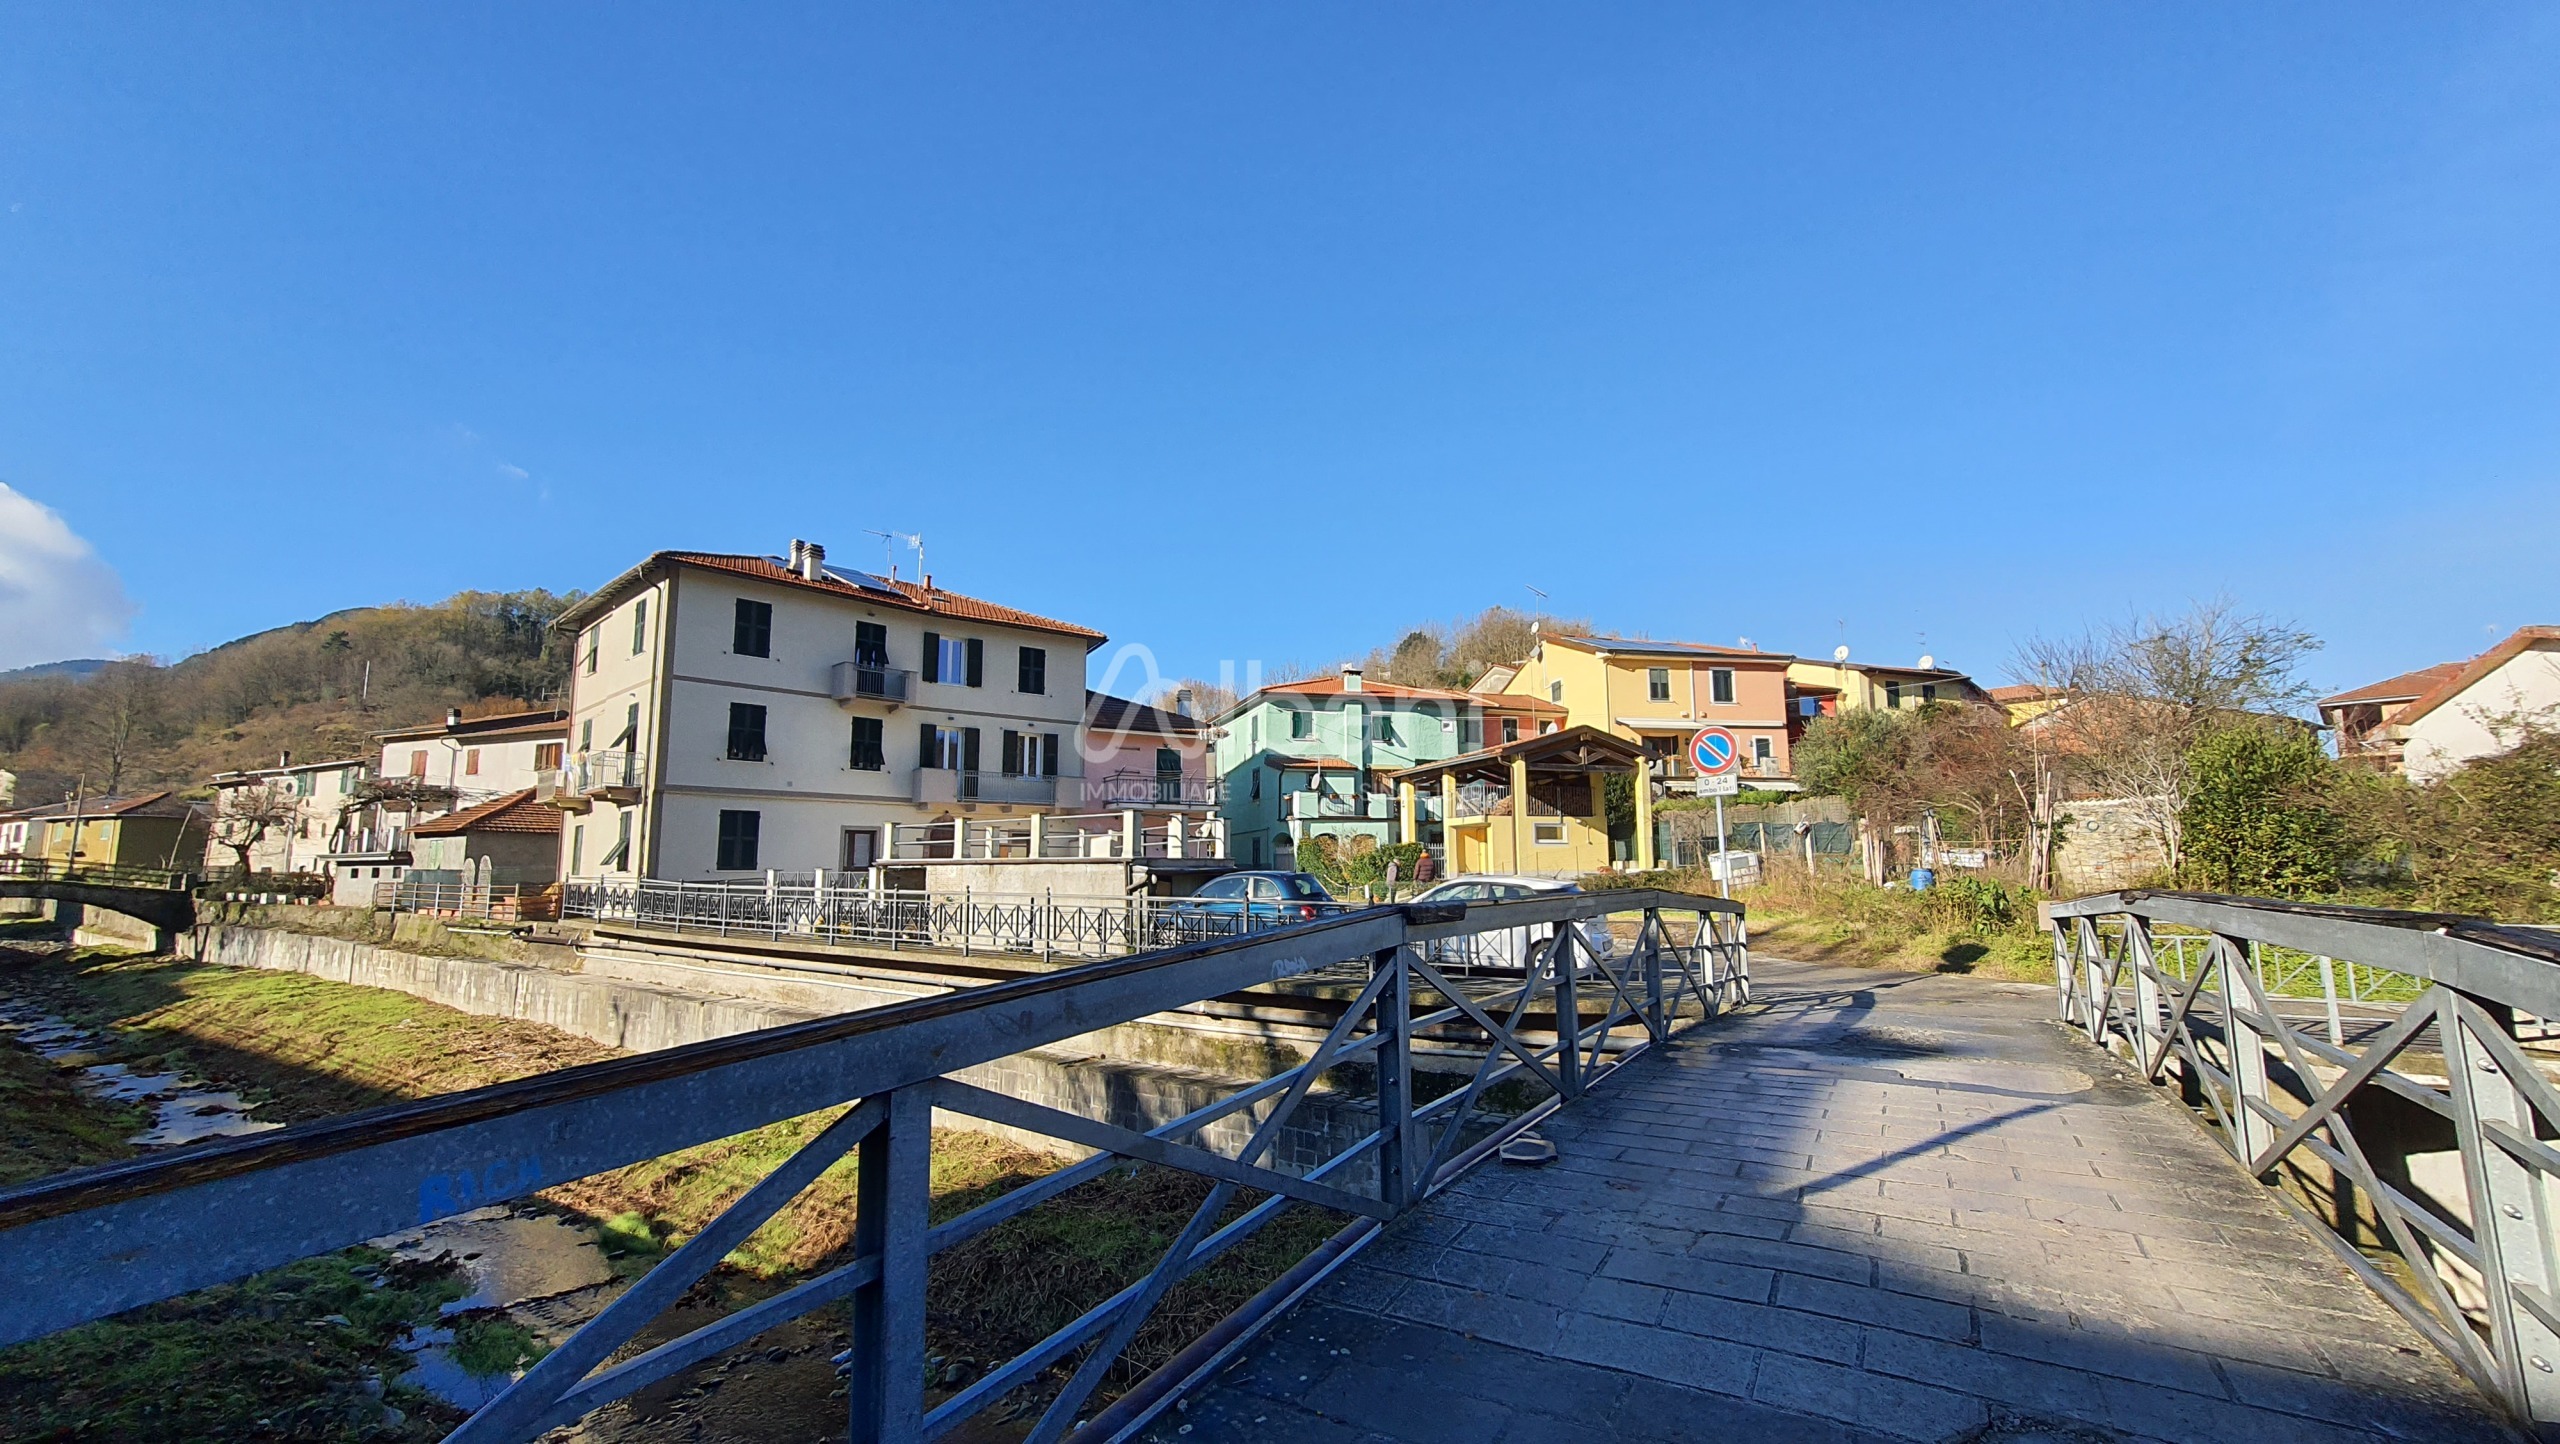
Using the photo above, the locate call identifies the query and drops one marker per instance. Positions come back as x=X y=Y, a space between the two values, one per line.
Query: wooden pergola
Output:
x=1520 y=768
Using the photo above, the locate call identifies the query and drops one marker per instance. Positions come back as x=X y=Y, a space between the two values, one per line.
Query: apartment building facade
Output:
x=1658 y=694
x=1299 y=759
x=467 y=761
x=733 y=714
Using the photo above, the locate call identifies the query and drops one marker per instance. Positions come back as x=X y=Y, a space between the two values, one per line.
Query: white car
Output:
x=1508 y=949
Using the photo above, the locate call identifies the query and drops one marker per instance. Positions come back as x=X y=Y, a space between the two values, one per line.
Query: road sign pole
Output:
x=1724 y=860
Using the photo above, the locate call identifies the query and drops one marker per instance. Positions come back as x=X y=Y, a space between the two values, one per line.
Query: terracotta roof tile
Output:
x=909 y=595
x=2407 y=687
x=515 y=812
x=2524 y=640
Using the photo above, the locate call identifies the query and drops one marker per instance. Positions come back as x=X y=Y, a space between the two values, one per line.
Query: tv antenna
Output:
x=888 y=549
x=1533 y=591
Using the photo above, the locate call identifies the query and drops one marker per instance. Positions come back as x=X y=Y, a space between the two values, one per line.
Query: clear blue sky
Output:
x=1264 y=331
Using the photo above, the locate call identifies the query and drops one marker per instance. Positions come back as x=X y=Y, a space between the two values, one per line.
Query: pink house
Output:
x=1149 y=758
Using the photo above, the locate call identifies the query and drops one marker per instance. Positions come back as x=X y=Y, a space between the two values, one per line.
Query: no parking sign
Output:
x=1715 y=750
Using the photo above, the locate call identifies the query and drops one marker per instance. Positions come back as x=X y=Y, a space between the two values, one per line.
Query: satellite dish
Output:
x=1928 y=663
x=1840 y=653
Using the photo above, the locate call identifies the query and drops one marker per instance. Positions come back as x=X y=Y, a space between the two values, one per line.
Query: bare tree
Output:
x=120 y=719
x=244 y=816
x=2135 y=698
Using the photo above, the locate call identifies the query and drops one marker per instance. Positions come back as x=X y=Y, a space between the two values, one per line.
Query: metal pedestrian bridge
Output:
x=162 y=898
x=1805 y=1203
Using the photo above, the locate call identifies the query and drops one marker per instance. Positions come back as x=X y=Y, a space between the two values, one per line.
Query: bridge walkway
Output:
x=1871 y=1206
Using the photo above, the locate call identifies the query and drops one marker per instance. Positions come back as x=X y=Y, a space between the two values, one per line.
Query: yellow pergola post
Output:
x=1407 y=807
x=1519 y=814
x=1645 y=861
x=1449 y=820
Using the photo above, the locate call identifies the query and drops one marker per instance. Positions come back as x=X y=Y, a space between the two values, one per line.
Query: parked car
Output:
x=1507 y=950
x=1240 y=902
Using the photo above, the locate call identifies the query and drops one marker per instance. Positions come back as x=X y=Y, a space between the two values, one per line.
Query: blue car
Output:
x=1239 y=902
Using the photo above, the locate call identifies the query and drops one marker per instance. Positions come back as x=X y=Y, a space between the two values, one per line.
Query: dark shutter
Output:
x=977 y=663
x=968 y=749
x=933 y=656
x=1012 y=753
x=1049 y=755
x=925 y=750
x=1031 y=673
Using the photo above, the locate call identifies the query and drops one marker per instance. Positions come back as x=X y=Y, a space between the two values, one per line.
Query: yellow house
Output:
x=1533 y=807
x=1841 y=685
x=154 y=830
x=1658 y=694
x=2026 y=702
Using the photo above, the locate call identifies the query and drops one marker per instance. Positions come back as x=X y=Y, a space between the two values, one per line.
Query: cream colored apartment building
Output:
x=732 y=714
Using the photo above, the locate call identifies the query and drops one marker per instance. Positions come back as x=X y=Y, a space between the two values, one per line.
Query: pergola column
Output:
x=1645 y=861
x=1519 y=813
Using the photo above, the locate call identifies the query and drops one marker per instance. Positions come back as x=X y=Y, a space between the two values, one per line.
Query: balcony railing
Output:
x=1059 y=837
x=1149 y=789
x=936 y=786
x=869 y=682
x=612 y=776
x=487 y=902
x=1370 y=805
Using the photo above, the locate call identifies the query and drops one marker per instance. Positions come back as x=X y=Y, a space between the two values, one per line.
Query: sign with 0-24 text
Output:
x=1727 y=785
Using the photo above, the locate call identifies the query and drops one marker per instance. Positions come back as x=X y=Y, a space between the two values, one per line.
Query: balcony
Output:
x=1377 y=806
x=1151 y=790
x=592 y=777
x=853 y=682
x=943 y=786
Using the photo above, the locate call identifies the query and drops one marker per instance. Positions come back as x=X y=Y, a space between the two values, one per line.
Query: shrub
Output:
x=2255 y=820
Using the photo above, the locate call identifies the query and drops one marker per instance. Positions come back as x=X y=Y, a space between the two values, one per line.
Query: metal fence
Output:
x=488 y=902
x=96 y=874
x=87 y=1244
x=843 y=908
x=2425 y=1155
x=1061 y=836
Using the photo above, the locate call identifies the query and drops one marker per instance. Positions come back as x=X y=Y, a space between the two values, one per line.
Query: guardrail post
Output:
x=2248 y=1046
x=1649 y=933
x=2511 y=1209
x=2149 y=1018
x=2329 y=992
x=1568 y=1010
x=885 y=1386
x=1395 y=1080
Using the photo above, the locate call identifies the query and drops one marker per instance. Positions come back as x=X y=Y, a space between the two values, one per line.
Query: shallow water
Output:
x=544 y=1273
x=185 y=1110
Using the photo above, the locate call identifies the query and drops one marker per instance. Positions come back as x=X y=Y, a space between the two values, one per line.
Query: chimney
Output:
x=284 y=758
x=1350 y=677
x=928 y=581
x=1182 y=702
x=799 y=549
x=813 y=561
x=452 y=718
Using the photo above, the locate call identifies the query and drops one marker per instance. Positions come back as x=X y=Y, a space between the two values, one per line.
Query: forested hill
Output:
x=319 y=689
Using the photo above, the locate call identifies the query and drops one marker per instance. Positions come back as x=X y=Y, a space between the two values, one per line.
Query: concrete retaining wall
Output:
x=1071 y=1076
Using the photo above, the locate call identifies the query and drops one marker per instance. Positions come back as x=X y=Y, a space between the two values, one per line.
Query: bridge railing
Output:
x=83 y=1245
x=2421 y=1139
x=96 y=874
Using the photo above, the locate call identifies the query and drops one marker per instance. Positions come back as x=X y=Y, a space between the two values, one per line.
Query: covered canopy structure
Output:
x=1537 y=805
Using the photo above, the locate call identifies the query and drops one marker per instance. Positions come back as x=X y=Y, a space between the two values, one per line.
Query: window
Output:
x=1546 y=727
x=950 y=749
x=746 y=732
x=860 y=849
x=1555 y=692
x=1257 y=847
x=1471 y=734
x=1720 y=686
x=1510 y=729
x=546 y=756
x=418 y=763
x=577 y=849
x=1031 y=670
x=1760 y=750
x=590 y=644
x=869 y=753
x=1302 y=723
x=586 y=735
x=471 y=762
x=1028 y=754
x=957 y=661
x=1386 y=729
x=870 y=644
x=1547 y=834
x=619 y=856
x=738 y=840
x=1928 y=693
x=639 y=626
x=1657 y=684
x=629 y=736
x=1168 y=762
x=1257 y=796
x=752 y=635
x=1893 y=694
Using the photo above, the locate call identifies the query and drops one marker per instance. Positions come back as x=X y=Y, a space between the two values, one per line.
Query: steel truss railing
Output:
x=84 y=1245
x=96 y=874
x=2357 y=1141
x=843 y=909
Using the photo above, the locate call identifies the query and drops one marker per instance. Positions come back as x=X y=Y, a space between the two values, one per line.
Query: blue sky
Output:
x=1264 y=332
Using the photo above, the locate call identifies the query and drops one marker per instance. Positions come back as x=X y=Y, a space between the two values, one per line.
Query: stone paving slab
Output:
x=1872 y=1207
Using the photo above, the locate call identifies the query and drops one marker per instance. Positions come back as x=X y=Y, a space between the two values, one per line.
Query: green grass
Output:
x=47 y=1125
x=279 y=1356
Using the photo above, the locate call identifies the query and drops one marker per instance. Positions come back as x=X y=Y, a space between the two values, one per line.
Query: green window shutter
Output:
x=977 y=663
x=933 y=656
x=1012 y=753
x=968 y=749
x=1049 y=755
x=927 y=754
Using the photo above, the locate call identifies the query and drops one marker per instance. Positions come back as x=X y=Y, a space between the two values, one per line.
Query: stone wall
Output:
x=2105 y=846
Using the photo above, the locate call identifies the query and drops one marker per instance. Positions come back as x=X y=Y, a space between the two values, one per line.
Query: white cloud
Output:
x=513 y=473
x=57 y=599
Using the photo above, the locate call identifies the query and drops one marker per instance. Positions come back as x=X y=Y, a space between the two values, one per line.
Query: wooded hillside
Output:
x=319 y=689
